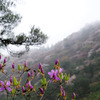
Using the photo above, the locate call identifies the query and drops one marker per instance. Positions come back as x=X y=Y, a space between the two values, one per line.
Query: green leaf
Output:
x=66 y=77
x=13 y=91
x=19 y=68
x=66 y=94
x=39 y=70
x=43 y=82
x=34 y=87
x=19 y=81
x=15 y=81
x=61 y=76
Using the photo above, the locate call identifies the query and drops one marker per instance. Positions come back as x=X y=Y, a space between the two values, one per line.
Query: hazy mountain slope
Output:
x=79 y=55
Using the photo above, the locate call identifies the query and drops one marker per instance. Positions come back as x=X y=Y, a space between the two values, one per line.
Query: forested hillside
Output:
x=79 y=55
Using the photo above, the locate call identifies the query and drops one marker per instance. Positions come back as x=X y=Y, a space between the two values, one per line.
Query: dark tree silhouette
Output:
x=8 y=21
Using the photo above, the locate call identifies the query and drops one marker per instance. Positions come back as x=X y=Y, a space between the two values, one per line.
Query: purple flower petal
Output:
x=60 y=70
x=52 y=71
x=57 y=78
x=8 y=88
x=8 y=83
x=50 y=81
x=1 y=89
x=56 y=71
x=2 y=83
x=51 y=74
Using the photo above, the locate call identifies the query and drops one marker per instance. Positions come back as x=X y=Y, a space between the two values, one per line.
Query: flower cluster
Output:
x=2 y=66
x=56 y=75
x=13 y=85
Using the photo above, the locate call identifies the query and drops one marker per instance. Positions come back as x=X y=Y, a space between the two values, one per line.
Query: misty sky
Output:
x=57 y=18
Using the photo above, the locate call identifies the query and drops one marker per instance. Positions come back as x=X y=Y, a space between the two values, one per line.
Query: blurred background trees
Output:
x=8 y=21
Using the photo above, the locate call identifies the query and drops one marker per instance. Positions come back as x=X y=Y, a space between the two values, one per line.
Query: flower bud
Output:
x=40 y=65
x=73 y=95
x=1 y=66
x=23 y=89
x=5 y=60
x=11 y=80
x=0 y=57
x=33 y=90
x=42 y=71
x=64 y=98
x=41 y=90
x=56 y=62
x=63 y=93
x=28 y=74
x=32 y=73
x=13 y=65
x=31 y=87
x=25 y=64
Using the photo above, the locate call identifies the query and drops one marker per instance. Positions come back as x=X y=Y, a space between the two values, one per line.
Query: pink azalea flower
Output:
x=5 y=86
x=53 y=75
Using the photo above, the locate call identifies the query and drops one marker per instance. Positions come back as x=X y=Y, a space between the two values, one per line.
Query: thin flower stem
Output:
x=54 y=89
x=21 y=75
x=7 y=96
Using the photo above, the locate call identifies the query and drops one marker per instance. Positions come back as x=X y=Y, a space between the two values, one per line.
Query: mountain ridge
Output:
x=79 y=55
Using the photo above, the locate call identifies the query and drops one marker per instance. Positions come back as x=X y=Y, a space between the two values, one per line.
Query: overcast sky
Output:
x=57 y=18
